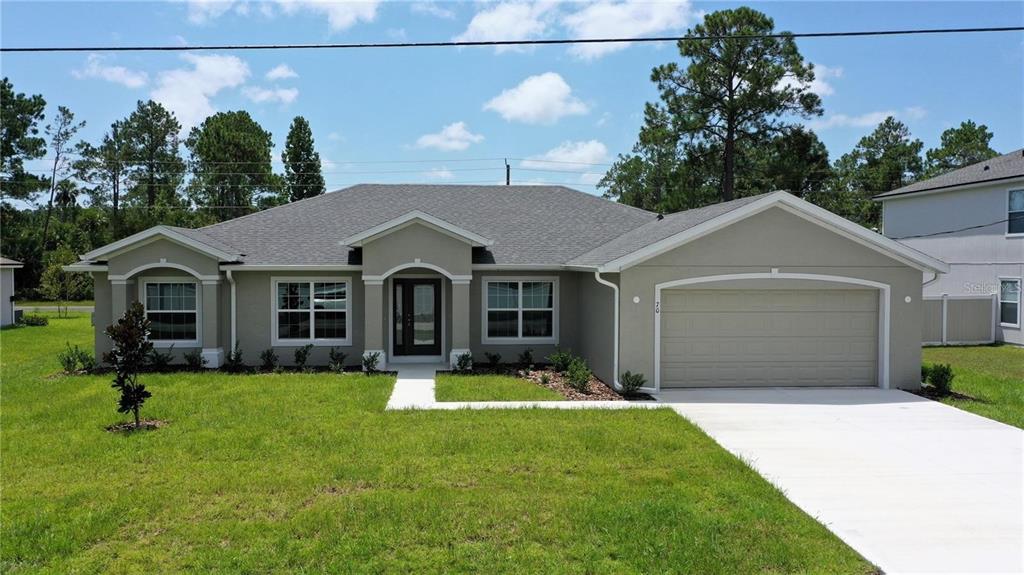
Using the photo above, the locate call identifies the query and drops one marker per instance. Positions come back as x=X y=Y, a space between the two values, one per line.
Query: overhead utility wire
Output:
x=541 y=42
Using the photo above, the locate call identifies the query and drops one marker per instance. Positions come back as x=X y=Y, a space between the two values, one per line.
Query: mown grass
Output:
x=993 y=374
x=307 y=473
x=48 y=303
x=454 y=387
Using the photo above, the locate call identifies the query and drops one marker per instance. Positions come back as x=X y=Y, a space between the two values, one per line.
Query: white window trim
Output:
x=1008 y=212
x=555 y=310
x=1018 y=302
x=179 y=343
x=317 y=342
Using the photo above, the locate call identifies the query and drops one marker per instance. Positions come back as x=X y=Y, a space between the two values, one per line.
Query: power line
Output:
x=968 y=228
x=541 y=42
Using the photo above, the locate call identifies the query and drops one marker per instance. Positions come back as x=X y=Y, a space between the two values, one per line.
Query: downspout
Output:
x=615 y=348
x=231 y=280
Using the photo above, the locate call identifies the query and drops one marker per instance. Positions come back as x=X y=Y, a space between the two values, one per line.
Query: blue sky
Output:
x=451 y=114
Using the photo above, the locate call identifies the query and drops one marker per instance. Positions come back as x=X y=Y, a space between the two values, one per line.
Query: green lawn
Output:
x=992 y=374
x=45 y=303
x=308 y=473
x=452 y=387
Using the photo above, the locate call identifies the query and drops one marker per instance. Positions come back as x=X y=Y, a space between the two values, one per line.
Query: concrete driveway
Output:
x=913 y=485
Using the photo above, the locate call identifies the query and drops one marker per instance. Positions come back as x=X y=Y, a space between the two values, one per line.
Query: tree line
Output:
x=140 y=173
x=725 y=126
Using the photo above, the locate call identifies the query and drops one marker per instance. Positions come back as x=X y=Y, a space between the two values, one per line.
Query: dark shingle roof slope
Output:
x=547 y=225
x=999 y=168
x=657 y=230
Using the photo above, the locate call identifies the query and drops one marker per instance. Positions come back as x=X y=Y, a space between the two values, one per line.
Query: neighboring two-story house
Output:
x=973 y=219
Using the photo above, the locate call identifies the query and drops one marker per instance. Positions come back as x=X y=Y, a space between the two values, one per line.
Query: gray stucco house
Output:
x=765 y=290
x=973 y=219
x=7 y=267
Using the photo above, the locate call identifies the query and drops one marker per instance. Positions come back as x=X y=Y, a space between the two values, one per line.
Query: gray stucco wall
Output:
x=413 y=242
x=255 y=309
x=6 y=296
x=595 y=336
x=772 y=239
x=153 y=252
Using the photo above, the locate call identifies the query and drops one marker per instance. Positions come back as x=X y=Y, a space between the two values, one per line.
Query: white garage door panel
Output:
x=720 y=338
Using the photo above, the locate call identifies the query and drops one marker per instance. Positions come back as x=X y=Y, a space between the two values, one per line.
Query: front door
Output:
x=416 y=327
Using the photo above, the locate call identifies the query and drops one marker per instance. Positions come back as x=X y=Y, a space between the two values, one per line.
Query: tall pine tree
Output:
x=302 y=175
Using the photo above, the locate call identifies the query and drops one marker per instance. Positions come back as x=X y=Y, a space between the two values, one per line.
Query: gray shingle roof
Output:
x=657 y=230
x=207 y=239
x=547 y=225
x=999 y=168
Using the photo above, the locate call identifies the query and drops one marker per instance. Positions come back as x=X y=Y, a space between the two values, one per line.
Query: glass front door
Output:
x=416 y=327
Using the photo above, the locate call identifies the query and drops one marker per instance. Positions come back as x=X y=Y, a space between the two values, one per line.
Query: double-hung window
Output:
x=1015 y=217
x=172 y=310
x=311 y=311
x=520 y=310
x=1009 y=302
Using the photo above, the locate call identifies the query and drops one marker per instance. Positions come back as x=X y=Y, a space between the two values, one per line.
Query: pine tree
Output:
x=303 y=178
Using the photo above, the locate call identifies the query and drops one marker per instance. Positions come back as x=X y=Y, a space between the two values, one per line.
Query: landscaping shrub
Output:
x=233 y=361
x=302 y=355
x=158 y=361
x=337 y=360
x=493 y=359
x=526 y=358
x=464 y=362
x=34 y=320
x=68 y=358
x=631 y=382
x=195 y=360
x=545 y=379
x=131 y=347
x=75 y=359
x=940 y=376
x=370 y=361
x=924 y=372
x=268 y=360
x=578 y=375
x=560 y=359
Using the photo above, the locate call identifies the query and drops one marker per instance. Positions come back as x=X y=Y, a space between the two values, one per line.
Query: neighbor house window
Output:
x=172 y=311
x=520 y=309
x=1009 y=302
x=311 y=311
x=1015 y=219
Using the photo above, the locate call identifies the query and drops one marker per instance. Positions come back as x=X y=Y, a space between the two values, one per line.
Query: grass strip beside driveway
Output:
x=453 y=387
x=992 y=374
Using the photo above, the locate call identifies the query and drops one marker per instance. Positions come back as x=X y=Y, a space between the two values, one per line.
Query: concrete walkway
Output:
x=913 y=485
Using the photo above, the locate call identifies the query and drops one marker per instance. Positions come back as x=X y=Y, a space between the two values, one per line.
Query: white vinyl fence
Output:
x=959 y=319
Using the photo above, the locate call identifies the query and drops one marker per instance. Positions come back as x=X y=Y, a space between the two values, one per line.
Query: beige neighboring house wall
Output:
x=773 y=239
x=6 y=295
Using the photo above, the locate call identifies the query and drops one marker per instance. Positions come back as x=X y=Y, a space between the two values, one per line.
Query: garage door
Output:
x=773 y=337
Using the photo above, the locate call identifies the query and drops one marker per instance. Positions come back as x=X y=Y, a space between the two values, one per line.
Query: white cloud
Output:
x=572 y=157
x=398 y=34
x=820 y=85
x=281 y=72
x=202 y=11
x=453 y=137
x=866 y=120
x=508 y=21
x=94 y=68
x=541 y=99
x=187 y=91
x=341 y=15
x=431 y=8
x=629 y=18
x=335 y=137
x=442 y=173
x=263 y=95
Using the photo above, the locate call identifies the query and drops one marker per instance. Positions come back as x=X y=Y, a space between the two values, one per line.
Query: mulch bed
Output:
x=931 y=393
x=597 y=390
x=144 y=425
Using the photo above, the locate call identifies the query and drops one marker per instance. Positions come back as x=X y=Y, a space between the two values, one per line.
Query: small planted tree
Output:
x=131 y=348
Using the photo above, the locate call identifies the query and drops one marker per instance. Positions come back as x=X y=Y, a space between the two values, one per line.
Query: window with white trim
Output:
x=1015 y=215
x=520 y=309
x=311 y=311
x=1009 y=302
x=172 y=310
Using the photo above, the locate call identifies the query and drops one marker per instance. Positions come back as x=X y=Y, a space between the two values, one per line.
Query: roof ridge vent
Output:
x=985 y=169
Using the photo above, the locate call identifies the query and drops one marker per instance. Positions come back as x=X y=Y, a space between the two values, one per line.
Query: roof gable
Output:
x=189 y=238
x=793 y=205
x=421 y=218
